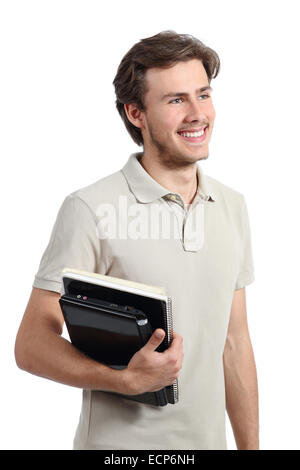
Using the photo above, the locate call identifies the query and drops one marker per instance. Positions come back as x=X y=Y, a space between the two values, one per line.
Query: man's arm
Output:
x=41 y=350
x=240 y=377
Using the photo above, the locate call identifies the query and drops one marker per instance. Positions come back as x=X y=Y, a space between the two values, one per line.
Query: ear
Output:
x=135 y=116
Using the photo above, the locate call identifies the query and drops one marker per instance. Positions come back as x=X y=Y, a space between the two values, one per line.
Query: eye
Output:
x=205 y=96
x=176 y=99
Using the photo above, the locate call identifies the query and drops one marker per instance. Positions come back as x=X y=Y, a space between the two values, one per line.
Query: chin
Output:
x=195 y=158
x=203 y=157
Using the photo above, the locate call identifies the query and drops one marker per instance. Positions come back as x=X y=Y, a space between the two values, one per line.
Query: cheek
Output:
x=211 y=113
x=166 y=122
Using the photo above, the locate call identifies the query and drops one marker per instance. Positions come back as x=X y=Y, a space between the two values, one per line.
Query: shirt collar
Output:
x=146 y=189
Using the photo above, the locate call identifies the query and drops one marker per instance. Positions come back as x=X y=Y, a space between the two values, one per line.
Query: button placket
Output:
x=182 y=215
x=179 y=212
x=194 y=224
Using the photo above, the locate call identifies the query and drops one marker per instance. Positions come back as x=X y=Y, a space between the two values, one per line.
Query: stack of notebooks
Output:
x=110 y=319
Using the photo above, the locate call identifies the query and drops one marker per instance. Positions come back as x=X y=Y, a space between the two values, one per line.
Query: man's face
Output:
x=178 y=105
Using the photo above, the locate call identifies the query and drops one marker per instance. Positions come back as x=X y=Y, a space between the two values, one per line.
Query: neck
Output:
x=181 y=180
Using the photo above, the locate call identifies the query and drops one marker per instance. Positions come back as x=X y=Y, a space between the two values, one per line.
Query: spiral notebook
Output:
x=128 y=301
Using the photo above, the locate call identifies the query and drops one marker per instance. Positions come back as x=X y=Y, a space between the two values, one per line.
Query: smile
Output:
x=196 y=137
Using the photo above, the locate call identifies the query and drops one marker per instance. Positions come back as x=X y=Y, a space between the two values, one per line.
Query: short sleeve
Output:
x=246 y=268
x=73 y=243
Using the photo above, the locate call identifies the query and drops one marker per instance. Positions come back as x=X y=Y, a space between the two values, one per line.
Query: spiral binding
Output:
x=170 y=338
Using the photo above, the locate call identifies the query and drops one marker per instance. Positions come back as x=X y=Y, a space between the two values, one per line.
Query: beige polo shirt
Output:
x=126 y=225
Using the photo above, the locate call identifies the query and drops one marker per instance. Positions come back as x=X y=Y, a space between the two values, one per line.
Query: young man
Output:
x=167 y=224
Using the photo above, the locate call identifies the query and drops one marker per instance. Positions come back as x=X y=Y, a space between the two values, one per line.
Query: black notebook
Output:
x=110 y=319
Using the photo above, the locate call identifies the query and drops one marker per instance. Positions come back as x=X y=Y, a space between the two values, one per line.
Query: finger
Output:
x=155 y=340
x=176 y=342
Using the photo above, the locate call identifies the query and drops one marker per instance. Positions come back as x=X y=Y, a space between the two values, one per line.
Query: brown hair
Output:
x=162 y=50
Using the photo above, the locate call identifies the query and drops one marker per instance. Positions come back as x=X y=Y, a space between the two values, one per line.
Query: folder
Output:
x=110 y=319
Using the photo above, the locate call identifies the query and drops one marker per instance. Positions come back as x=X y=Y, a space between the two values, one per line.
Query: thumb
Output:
x=155 y=340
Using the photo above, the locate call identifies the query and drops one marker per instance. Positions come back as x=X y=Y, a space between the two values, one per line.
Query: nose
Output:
x=194 y=113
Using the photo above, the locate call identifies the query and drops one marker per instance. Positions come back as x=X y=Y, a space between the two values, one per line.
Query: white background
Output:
x=60 y=131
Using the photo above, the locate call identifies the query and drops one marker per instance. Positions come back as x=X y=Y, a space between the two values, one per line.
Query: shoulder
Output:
x=230 y=203
x=104 y=190
x=224 y=194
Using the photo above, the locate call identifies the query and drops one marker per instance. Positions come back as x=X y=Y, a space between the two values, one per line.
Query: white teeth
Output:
x=192 y=134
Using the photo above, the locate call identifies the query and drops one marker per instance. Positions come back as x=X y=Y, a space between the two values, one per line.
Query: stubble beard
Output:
x=170 y=157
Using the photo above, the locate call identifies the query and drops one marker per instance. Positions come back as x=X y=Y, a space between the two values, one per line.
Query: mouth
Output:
x=196 y=136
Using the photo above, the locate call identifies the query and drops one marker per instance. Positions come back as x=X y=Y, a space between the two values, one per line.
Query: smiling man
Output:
x=202 y=257
x=176 y=125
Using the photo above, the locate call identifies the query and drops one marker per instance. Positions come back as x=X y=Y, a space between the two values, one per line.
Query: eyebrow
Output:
x=182 y=93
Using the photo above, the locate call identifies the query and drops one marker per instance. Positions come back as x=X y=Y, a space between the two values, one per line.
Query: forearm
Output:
x=242 y=393
x=49 y=355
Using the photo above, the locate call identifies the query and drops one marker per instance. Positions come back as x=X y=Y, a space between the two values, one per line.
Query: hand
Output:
x=149 y=370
